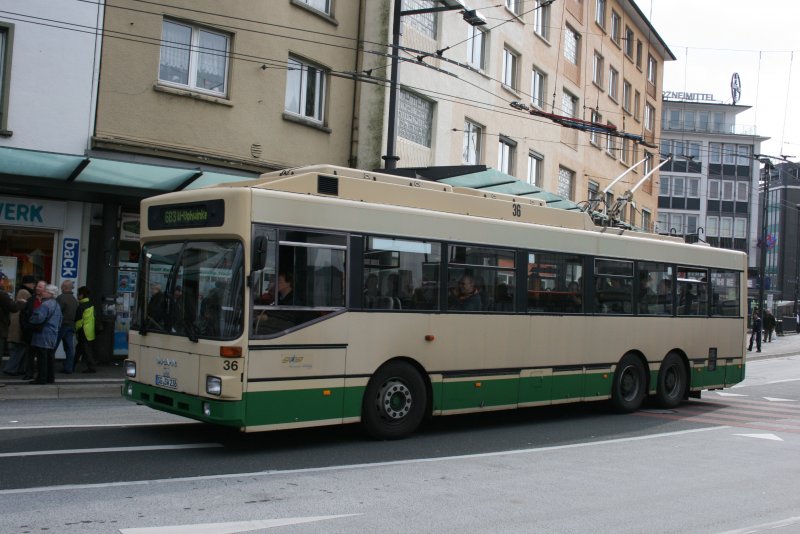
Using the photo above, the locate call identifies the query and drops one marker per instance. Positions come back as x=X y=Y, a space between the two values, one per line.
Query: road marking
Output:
x=103 y=425
x=765 y=526
x=71 y=487
x=775 y=399
x=782 y=381
x=232 y=527
x=771 y=437
x=724 y=394
x=112 y=449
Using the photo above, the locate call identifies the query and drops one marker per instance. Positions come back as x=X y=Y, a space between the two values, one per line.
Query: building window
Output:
x=5 y=63
x=712 y=226
x=571 y=48
x=713 y=189
x=676 y=223
x=613 y=84
x=593 y=191
x=476 y=47
x=726 y=227
x=652 y=70
x=593 y=135
x=597 y=69
x=600 y=12
x=569 y=104
x=649 y=117
x=510 y=61
x=719 y=122
x=626 y=96
x=538 y=88
x=566 y=182
x=727 y=190
x=541 y=19
x=648 y=162
x=688 y=120
x=637 y=104
x=678 y=190
x=535 y=163
x=666 y=148
x=320 y=5
x=693 y=187
x=305 y=90
x=674 y=122
x=616 y=23
x=742 y=191
x=424 y=23
x=611 y=144
x=513 y=6
x=694 y=152
x=506 y=149
x=639 y=53
x=703 y=121
x=472 y=143
x=662 y=223
x=743 y=155
x=714 y=153
x=691 y=224
x=646 y=218
x=194 y=57
x=740 y=228
x=626 y=148
x=729 y=154
x=629 y=42
x=664 y=186
x=414 y=118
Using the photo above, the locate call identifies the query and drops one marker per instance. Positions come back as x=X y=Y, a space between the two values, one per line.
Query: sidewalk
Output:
x=787 y=345
x=107 y=382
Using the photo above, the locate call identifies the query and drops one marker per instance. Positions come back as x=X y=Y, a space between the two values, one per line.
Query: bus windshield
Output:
x=192 y=288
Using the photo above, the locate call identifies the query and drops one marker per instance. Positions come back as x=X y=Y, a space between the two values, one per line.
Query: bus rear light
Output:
x=130 y=368
x=213 y=385
x=230 y=352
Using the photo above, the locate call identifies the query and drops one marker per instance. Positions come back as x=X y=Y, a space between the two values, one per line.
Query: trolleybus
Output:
x=325 y=295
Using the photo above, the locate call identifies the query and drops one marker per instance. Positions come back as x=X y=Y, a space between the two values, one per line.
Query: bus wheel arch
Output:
x=630 y=383
x=397 y=399
x=672 y=385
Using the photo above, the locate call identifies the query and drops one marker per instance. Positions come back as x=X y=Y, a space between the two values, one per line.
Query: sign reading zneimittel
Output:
x=693 y=97
x=16 y=211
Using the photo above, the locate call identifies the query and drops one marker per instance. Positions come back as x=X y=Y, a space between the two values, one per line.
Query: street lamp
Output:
x=472 y=17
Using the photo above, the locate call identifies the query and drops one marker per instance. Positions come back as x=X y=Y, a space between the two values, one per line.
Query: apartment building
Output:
x=597 y=61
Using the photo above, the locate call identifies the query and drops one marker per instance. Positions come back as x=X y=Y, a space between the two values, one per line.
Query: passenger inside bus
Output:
x=465 y=296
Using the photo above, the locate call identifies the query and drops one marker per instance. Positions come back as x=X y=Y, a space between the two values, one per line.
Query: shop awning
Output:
x=128 y=178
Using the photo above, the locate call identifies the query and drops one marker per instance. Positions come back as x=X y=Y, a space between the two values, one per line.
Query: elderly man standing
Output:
x=66 y=335
x=45 y=322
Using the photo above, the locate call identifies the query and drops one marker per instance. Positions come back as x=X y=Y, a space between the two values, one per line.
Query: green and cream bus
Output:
x=325 y=295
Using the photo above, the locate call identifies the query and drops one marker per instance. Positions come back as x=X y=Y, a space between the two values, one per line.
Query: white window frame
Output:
x=572 y=46
x=593 y=134
x=728 y=190
x=625 y=154
x=538 y=88
x=476 y=47
x=715 y=152
x=506 y=152
x=742 y=191
x=676 y=223
x=510 y=68
x=726 y=227
x=664 y=185
x=637 y=104
x=616 y=23
x=652 y=70
x=569 y=175
x=541 y=19
x=514 y=6
x=597 y=69
x=195 y=52
x=695 y=151
x=473 y=143
x=535 y=169
x=629 y=37
x=740 y=228
x=647 y=216
x=678 y=187
x=743 y=155
x=613 y=84
x=692 y=187
x=295 y=65
x=691 y=224
x=728 y=154
x=569 y=104
x=611 y=144
x=649 y=117
x=714 y=188
x=688 y=121
x=627 y=90
x=314 y=4
x=600 y=13
x=712 y=226
x=662 y=222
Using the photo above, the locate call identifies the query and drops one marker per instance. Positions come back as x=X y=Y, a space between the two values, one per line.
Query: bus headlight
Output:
x=130 y=368
x=213 y=385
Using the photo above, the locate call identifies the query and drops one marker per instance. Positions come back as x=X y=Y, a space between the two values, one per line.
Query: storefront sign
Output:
x=32 y=212
x=692 y=97
x=69 y=258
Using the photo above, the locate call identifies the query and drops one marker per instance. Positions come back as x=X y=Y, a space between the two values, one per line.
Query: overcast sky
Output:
x=760 y=40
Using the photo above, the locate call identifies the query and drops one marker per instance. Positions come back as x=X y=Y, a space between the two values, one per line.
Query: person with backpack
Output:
x=85 y=331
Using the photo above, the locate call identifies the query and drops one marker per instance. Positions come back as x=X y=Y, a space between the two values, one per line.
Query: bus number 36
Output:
x=229 y=365
x=516 y=210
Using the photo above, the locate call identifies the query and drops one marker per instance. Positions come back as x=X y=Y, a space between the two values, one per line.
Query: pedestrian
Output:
x=85 y=331
x=17 y=348
x=755 y=326
x=66 y=335
x=769 y=326
x=27 y=328
x=46 y=321
x=7 y=307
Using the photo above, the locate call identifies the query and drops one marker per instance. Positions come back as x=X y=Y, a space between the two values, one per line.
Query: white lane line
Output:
x=111 y=449
x=776 y=399
x=232 y=527
x=71 y=487
x=765 y=526
x=771 y=437
x=98 y=425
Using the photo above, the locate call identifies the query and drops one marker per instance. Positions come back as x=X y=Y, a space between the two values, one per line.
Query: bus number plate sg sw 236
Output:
x=167 y=382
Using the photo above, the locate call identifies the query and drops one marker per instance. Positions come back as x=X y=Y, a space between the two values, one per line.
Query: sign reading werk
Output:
x=32 y=212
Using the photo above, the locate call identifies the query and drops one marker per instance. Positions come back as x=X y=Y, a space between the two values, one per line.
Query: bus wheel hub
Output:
x=395 y=399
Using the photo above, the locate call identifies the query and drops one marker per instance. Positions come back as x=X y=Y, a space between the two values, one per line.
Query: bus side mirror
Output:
x=259 y=253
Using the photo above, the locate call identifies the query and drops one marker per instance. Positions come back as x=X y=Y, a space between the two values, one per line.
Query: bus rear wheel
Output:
x=394 y=402
x=671 y=386
x=630 y=385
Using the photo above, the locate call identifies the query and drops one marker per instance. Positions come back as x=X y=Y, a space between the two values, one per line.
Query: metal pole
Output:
x=390 y=159
x=763 y=251
x=797 y=262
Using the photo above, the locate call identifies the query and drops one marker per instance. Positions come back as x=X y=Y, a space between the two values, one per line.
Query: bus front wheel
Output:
x=394 y=402
x=630 y=384
x=671 y=386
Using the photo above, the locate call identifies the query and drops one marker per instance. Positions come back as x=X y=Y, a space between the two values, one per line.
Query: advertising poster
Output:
x=8 y=274
x=123 y=306
x=129 y=230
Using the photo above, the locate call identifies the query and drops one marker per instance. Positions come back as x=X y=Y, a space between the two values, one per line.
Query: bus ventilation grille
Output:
x=328 y=185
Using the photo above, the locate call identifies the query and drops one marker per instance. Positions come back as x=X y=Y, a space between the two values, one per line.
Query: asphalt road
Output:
x=721 y=464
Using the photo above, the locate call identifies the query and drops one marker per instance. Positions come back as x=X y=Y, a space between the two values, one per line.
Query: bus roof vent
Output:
x=328 y=185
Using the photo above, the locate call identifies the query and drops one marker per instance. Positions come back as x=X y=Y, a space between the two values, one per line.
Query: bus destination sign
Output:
x=191 y=215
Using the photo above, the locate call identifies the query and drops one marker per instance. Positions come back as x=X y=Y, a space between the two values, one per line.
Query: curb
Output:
x=61 y=391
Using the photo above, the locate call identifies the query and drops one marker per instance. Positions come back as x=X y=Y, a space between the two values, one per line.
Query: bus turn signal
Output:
x=230 y=352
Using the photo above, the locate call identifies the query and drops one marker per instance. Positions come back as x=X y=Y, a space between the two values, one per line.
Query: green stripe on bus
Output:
x=229 y=413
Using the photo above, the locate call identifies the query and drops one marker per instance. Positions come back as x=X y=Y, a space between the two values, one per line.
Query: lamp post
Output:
x=762 y=263
x=471 y=16
x=797 y=263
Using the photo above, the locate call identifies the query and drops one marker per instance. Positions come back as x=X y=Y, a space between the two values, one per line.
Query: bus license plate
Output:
x=166 y=381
